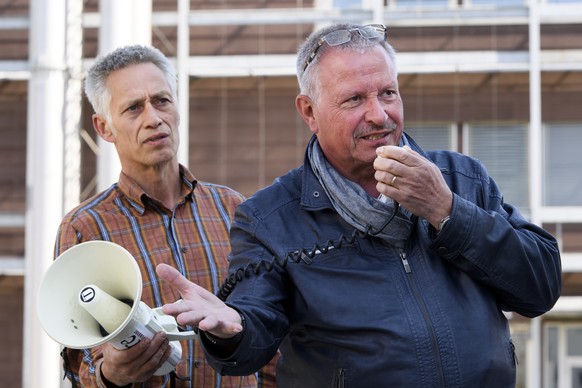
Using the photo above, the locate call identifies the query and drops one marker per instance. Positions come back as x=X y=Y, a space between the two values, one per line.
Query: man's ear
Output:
x=306 y=109
x=102 y=128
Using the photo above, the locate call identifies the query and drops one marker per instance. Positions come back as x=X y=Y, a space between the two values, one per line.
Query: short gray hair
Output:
x=96 y=81
x=308 y=76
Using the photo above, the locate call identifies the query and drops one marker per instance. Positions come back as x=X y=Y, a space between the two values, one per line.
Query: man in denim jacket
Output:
x=375 y=264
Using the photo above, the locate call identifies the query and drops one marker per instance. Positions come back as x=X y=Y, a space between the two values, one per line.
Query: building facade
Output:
x=497 y=80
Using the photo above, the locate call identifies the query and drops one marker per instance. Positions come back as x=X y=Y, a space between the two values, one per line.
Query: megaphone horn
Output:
x=91 y=295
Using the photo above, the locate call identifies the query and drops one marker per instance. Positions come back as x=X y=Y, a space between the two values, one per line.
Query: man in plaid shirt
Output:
x=158 y=211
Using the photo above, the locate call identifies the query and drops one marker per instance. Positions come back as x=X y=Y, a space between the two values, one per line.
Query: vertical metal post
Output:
x=535 y=113
x=534 y=366
x=72 y=107
x=182 y=64
x=44 y=180
x=122 y=23
x=377 y=7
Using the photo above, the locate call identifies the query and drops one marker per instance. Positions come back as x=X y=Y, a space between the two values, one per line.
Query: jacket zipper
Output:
x=425 y=315
x=341 y=375
x=405 y=262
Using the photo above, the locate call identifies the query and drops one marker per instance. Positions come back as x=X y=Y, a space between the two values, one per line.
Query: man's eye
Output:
x=132 y=108
x=162 y=101
x=353 y=99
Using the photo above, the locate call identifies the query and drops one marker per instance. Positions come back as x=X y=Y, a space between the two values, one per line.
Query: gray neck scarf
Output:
x=355 y=205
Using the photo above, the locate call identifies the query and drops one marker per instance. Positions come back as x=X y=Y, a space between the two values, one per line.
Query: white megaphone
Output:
x=91 y=294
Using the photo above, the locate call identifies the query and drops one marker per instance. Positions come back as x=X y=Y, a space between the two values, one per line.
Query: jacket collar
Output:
x=313 y=196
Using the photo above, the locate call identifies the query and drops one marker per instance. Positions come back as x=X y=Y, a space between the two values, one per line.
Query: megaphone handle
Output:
x=183 y=335
x=170 y=326
x=167 y=322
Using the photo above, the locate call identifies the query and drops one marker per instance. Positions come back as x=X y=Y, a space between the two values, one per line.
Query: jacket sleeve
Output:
x=494 y=244
x=259 y=295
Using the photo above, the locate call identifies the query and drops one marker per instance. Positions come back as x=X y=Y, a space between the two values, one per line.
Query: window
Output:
x=520 y=333
x=563 y=355
x=563 y=1
x=562 y=180
x=498 y=2
x=422 y=3
x=436 y=137
x=345 y=4
x=503 y=149
x=551 y=357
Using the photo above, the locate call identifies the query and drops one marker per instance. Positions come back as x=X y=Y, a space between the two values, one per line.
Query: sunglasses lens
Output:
x=372 y=31
x=338 y=37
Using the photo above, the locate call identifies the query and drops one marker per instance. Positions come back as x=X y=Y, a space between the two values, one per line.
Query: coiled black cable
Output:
x=295 y=257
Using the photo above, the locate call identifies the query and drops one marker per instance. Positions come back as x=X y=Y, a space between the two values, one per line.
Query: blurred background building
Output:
x=497 y=80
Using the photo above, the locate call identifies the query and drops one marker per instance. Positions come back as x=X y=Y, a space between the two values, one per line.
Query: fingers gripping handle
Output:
x=170 y=326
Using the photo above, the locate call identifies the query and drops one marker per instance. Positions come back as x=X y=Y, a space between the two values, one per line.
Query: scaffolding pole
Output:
x=122 y=23
x=44 y=180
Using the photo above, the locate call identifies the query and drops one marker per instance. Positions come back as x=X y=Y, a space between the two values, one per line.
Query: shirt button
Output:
x=316 y=194
x=183 y=249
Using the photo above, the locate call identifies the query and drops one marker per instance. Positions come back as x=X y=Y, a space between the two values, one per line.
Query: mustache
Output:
x=387 y=126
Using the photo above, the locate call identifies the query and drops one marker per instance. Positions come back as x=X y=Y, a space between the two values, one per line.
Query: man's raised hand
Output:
x=198 y=306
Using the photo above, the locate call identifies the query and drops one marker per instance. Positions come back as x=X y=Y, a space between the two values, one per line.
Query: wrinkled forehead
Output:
x=135 y=82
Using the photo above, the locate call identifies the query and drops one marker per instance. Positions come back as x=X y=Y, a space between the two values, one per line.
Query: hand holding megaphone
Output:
x=91 y=295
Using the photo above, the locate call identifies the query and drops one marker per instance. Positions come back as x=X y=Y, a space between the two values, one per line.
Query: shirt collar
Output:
x=140 y=198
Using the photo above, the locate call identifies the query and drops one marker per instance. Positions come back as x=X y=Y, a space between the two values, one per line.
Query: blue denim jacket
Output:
x=346 y=311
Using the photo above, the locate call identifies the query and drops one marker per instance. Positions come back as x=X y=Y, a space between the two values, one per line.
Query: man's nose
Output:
x=375 y=112
x=151 y=116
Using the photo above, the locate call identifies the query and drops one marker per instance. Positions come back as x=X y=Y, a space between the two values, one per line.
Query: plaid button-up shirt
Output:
x=193 y=237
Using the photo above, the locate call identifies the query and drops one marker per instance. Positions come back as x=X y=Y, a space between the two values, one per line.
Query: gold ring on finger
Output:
x=393 y=182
